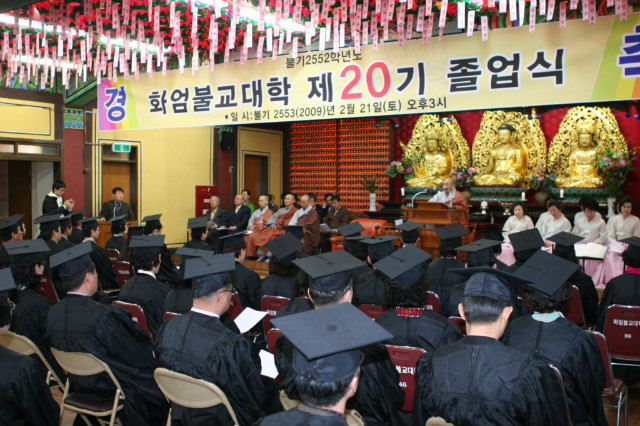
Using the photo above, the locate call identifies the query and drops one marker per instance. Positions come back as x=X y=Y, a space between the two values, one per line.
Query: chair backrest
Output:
x=83 y=364
x=371 y=226
x=24 y=346
x=373 y=311
x=432 y=302
x=460 y=323
x=622 y=329
x=137 y=314
x=271 y=305
x=236 y=307
x=574 y=312
x=405 y=359
x=564 y=394
x=46 y=288
x=272 y=338
x=112 y=254
x=168 y=315
x=123 y=271
x=606 y=358
x=190 y=392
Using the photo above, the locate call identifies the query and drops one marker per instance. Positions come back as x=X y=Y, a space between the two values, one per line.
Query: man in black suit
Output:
x=116 y=207
x=239 y=216
x=53 y=202
x=217 y=219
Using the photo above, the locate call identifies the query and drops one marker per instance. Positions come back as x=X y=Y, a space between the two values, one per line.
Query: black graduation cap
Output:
x=488 y=282
x=146 y=246
x=233 y=239
x=190 y=253
x=6 y=283
x=72 y=261
x=381 y=246
x=76 y=216
x=450 y=235
x=548 y=275
x=355 y=241
x=48 y=222
x=526 y=240
x=197 y=222
x=89 y=223
x=565 y=239
x=135 y=230
x=634 y=246
x=209 y=273
x=327 y=341
x=285 y=247
x=405 y=266
x=507 y=126
x=296 y=230
x=118 y=218
x=65 y=221
x=26 y=252
x=329 y=271
x=410 y=230
x=10 y=221
x=353 y=228
x=152 y=221
x=479 y=252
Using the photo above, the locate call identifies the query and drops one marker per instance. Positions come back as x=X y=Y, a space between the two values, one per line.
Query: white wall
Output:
x=41 y=181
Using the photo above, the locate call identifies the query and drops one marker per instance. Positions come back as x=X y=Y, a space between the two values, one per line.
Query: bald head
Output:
x=304 y=201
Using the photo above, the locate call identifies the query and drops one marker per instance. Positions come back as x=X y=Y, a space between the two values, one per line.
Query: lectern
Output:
x=105 y=232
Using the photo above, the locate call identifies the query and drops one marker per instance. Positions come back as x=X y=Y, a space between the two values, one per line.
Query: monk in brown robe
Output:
x=257 y=223
x=275 y=226
x=310 y=220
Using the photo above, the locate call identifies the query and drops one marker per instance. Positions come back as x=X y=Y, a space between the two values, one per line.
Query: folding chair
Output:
x=168 y=315
x=272 y=338
x=123 y=271
x=271 y=305
x=45 y=288
x=623 y=334
x=352 y=417
x=564 y=394
x=85 y=364
x=137 y=314
x=615 y=389
x=236 y=307
x=190 y=392
x=373 y=311
x=405 y=359
x=460 y=323
x=113 y=256
x=574 y=312
x=432 y=302
x=24 y=346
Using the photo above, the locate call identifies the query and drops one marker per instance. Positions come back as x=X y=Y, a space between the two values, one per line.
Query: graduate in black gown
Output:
x=199 y=345
x=440 y=276
x=25 y=398
x=410 y=232
x=246 y=282
x=76 y=236
x=30 y=315
x=478 y=380
x=106 y=276
x=525 y=244
x=548 y=336
x=198 y=241
x=132 y=231
x=408 y=320
x=168 y=272
x=379 y=396
x=143 y=288
x=65 y=231
x=118 y=230
x=369 y=286
x=79 y=324
x=51 y=235
x=282 y=272
x=10 y=230
x=326 y=361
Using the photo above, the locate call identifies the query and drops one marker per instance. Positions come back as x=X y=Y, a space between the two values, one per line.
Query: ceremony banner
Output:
x=514 y=68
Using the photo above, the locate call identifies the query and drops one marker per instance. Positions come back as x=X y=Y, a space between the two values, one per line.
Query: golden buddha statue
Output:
x=582 y=171
x=435 y=165
x=507 y=162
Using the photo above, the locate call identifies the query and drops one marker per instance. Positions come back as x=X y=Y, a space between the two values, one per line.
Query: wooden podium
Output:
x=105 y=232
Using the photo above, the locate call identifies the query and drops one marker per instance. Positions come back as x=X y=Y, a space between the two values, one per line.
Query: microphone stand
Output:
x=413 y=206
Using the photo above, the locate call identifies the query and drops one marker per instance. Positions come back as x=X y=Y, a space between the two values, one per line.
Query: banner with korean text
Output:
x=514 y=68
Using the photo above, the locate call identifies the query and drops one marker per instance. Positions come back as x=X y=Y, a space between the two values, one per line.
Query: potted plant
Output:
x=463 y=178
x=371 y=184
x=614 y=167
x=400 y=167
x=543 y=183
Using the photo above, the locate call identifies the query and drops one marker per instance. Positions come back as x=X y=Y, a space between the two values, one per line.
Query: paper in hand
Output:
x=248 y=318
x=268 y=362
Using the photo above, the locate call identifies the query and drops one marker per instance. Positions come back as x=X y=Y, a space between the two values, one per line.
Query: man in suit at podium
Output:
x=452 y=198
x=116 y=207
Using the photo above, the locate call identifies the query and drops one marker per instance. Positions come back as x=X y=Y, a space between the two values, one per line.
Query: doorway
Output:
x=120 y=170
x=19 y=190
x=256 y=176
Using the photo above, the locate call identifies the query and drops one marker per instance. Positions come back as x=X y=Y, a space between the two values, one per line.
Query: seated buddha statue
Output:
x=435 y=164
x=507 y=164
x=582 y=170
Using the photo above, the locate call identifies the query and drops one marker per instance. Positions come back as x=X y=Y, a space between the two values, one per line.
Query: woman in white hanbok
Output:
x=590 y=225
x=619 y=227
x=517 y=222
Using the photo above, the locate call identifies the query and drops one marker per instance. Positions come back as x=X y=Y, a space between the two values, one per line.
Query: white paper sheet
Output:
x=268 y=362
x=591 y=250
x=248 y=318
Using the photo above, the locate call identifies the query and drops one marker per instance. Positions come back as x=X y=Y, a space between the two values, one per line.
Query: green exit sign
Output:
x=121 y=147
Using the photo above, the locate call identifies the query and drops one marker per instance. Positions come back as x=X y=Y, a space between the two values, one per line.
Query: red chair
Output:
x=123 y=271
x=574 y=312
x=271 y=305
x=373 y=311
x=405 y=359
x=136 y=313
x=168 y=315
x=236 y=308
x=432 y=302
x=622 y=330
x=460 y=323
x=616 y=389
x=371 y=227
x=113 y=256
x=46 y=289
x=272 y=338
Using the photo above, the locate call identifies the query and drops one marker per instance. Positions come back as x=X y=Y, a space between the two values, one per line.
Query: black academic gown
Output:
x=368 y=288
x=378 y=399
x=180 y=300
x=198 y=245
x=50 y=206
x=479 y=381
x=277 y=285
x=168 y=272
x=588 y=295
x=64 y=243
x=247 y=283
x=30 y=319
x=76 y=236
x=25 y=399
x=107 y=278
x=439 y=276
x=79 y=324
x=150 y=294
x=304 y=415
x=575 y=353
x=450 y=300
x=55 y=273
x=295 y=306
x=115 y=243
x=429 y=331
x=201 y=346
x=621 y=290
x=5 y=260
